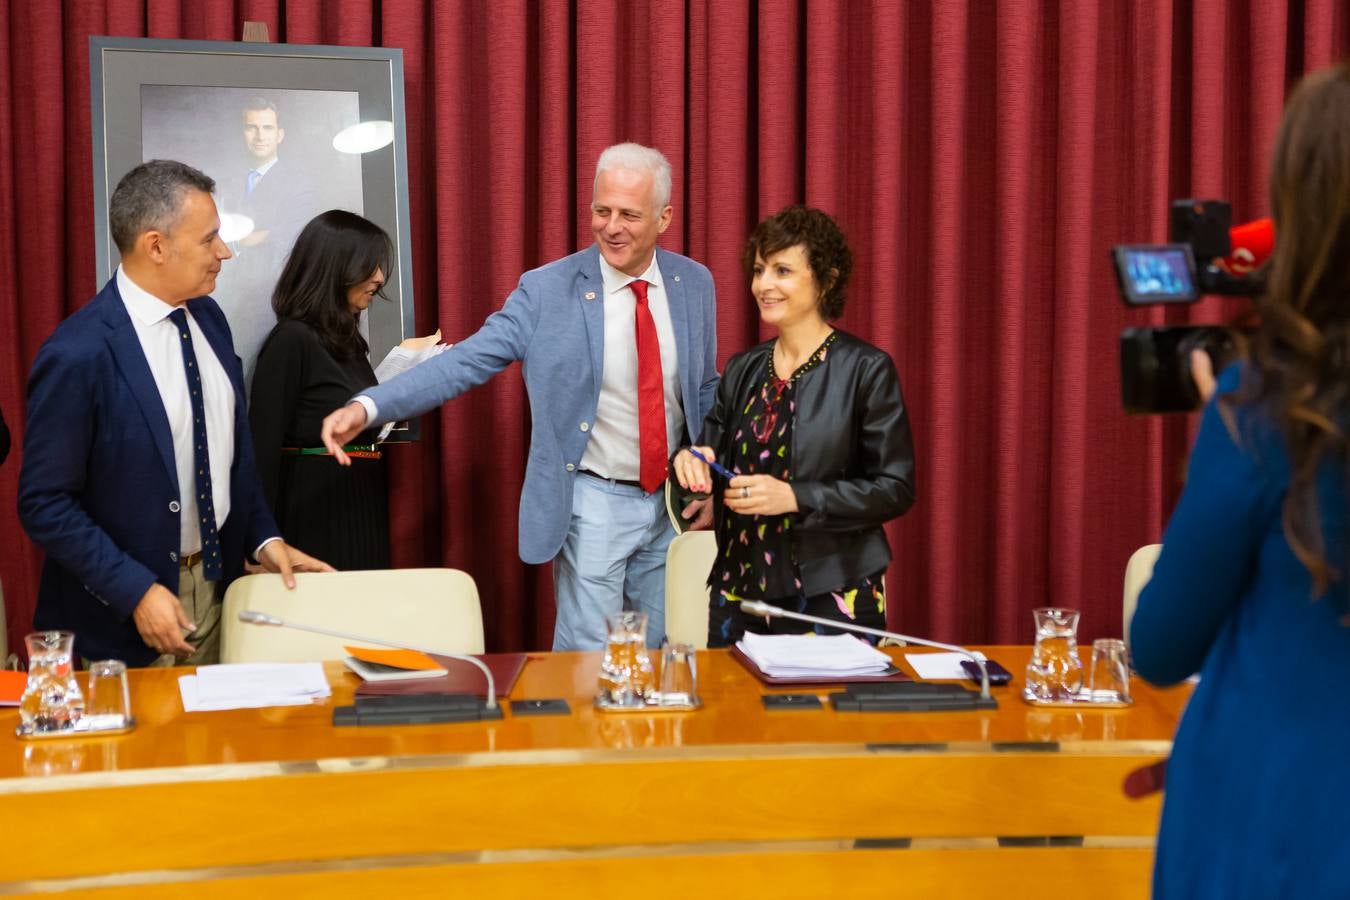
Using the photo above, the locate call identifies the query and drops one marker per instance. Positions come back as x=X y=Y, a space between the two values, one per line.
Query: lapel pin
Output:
x=590 y=295
x=677 y=278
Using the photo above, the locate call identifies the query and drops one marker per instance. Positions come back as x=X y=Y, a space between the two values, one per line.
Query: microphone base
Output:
x=415 y=709
x=911 y=696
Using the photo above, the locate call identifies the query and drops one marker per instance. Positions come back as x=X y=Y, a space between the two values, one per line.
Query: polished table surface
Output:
x=287 y=799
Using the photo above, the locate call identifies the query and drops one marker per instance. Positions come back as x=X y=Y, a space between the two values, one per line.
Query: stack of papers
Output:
x=253 y=685
x=810 y=655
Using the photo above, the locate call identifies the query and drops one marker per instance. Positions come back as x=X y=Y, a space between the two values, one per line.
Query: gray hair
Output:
x=150 y=196
x=637 y=158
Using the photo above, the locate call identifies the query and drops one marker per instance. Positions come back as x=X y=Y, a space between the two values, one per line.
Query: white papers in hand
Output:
x=809 y=655
x=401 y=359
x=253 y=685
x=937 y=666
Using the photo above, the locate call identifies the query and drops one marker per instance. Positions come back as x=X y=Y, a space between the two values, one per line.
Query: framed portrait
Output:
x=286 y=132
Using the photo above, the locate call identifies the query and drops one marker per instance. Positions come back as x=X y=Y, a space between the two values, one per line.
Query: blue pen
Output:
x=712 y=464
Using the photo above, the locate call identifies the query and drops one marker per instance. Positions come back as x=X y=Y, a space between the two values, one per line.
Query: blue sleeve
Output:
x=58 y=456
x=502 y=340
x=1209 y=548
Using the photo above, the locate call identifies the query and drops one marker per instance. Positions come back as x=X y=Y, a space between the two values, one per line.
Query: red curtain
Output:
x=982 y=156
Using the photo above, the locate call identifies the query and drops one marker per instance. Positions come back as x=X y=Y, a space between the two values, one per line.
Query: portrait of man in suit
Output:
x=272 y=158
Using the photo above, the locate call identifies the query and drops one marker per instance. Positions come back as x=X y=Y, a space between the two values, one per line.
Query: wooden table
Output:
x=728 y=799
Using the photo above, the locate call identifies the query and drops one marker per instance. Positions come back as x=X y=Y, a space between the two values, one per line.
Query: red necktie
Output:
x=652 y=449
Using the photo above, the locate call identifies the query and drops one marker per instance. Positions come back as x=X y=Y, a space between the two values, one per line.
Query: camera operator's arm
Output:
x=1202 y=372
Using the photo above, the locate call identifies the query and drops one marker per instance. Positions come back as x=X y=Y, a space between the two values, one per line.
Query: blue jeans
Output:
x=613 y=558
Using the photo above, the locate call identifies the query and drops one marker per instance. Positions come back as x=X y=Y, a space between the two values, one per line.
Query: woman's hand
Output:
x=760 y=495
x=693 y=474
x=421 y=343
x=1202 y=370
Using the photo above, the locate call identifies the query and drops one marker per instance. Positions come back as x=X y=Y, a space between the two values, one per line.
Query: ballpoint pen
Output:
x=712 y=464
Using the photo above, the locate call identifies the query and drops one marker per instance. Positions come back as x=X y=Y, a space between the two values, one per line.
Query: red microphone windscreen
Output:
x=1252 y=242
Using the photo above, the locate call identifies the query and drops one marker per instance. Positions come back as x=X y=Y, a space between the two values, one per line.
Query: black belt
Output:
x=623 y=481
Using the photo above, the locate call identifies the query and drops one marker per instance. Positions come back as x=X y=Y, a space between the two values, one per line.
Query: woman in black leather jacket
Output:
x=814 y=426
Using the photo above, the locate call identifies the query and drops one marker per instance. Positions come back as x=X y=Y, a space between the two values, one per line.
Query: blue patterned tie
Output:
x=253 y=176
x=202 y=456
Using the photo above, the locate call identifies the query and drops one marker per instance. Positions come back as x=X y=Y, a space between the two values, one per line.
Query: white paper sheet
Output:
x=937 y=666
x=253 y=685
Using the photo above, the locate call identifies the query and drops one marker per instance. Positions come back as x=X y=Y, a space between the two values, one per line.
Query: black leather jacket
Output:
x=852 y=456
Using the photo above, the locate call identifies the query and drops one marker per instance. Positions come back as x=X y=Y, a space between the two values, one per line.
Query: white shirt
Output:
x=613 y=448
x=163 y=351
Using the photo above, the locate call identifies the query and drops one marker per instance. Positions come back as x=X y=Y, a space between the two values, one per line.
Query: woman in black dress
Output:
x=313 y=362
x=814 y=425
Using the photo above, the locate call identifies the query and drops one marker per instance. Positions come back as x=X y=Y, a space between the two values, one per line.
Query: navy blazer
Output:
x=554 y=321
x=98 y=489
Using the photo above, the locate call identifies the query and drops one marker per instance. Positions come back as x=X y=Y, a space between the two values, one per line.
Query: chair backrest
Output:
x=688 y=561
x=433 y=608
x=1137 y=573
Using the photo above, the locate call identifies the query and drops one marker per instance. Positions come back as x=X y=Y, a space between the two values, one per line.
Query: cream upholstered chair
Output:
x=432 y=608
x=1137 y=573
x=688 y=561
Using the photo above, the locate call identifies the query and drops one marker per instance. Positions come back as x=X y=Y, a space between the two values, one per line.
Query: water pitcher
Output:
x=51 y=700
x=627 y=677
x=1055 y=673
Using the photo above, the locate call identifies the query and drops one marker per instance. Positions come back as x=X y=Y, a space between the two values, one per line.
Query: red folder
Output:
x=460 y=678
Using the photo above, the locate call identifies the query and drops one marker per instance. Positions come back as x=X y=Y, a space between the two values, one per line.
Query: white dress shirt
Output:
x=613 y=448
x=163 y=351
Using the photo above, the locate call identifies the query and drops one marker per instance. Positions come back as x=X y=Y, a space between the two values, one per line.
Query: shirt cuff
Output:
x=369 y=406
x=257 y=554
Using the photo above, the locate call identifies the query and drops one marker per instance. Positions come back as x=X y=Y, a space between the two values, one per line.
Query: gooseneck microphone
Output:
x=257 y=618
x=760 y=608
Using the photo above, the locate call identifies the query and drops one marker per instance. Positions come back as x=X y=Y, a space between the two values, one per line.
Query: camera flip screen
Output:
x=1156 y=273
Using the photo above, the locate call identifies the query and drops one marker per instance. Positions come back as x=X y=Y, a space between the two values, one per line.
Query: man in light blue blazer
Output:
x=619 y=346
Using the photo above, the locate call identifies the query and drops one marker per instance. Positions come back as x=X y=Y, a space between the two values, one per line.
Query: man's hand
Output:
x=160 y=619
x=278 y=556
x=699 y=514
x=760 y=495
x=341 y=426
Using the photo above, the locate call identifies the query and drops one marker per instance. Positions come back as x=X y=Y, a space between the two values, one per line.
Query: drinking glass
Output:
x=626 y=674
x=51 y=699
x=679 y=676
x=109 y=702
x=1055 y=673
x=1109 y=680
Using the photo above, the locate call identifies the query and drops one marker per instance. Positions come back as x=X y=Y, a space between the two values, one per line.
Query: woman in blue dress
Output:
x=1250 y=589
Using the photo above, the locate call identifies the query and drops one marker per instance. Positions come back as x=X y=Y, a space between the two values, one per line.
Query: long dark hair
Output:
x=1300 y=353
x=336 y=251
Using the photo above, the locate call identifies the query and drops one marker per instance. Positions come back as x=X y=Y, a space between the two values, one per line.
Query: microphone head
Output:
x=1251 y=244
x=257 y=618
x=758 y=608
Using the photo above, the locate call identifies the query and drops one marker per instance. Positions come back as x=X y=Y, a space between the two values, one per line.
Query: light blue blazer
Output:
x=554 y=323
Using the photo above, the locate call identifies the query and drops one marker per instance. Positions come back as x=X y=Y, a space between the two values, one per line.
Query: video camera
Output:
x=1207 y=256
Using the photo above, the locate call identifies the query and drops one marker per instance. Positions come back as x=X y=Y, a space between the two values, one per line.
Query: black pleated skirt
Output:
x=339 y=514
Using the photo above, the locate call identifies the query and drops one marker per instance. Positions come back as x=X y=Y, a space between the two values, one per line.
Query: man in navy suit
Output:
x=138 y=478
x=619 y=349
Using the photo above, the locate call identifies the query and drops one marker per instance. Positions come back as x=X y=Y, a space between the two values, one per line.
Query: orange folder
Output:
x=400 y=659
x=11 y=687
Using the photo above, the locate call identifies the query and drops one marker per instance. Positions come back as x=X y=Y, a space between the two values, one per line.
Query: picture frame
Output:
x=202 y=102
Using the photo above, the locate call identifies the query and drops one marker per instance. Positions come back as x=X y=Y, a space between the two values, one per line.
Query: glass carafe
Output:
x=627 y=677
x=1055 y=673
x=51 y=700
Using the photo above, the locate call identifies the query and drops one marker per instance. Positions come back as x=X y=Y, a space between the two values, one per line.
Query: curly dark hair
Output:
x=336 y=251
x=827 y=250
x=1300 y=354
